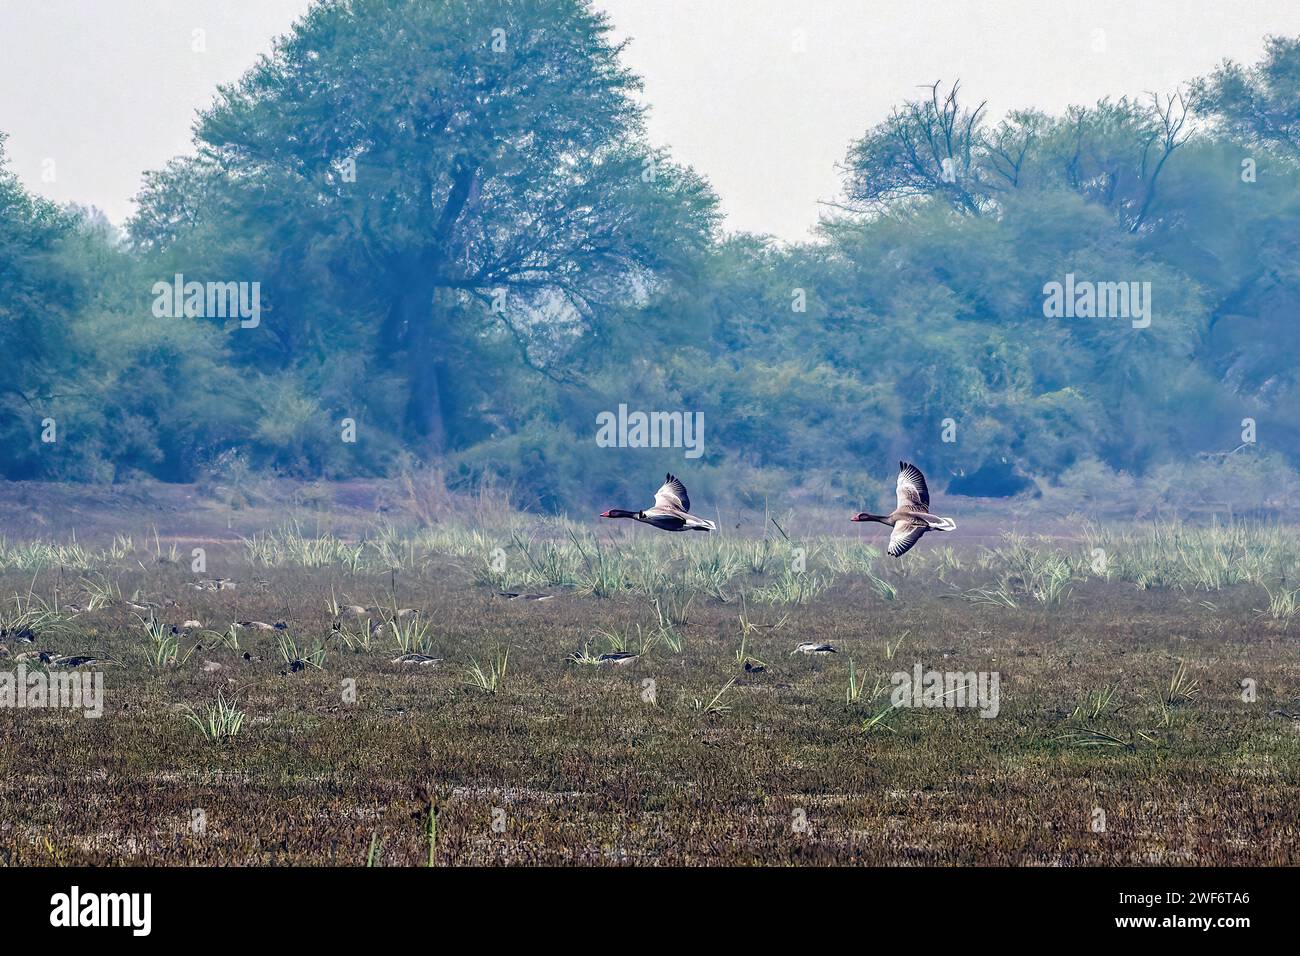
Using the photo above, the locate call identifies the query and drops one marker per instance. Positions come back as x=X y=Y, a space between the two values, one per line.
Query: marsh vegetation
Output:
x=559 y=693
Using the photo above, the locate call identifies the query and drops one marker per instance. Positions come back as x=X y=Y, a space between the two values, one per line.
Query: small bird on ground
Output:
x=77 y=660
x=813 y=647
x=213 y=584
x=418 y=660
x=617 y=657
x=671 y=511
x=911 y=518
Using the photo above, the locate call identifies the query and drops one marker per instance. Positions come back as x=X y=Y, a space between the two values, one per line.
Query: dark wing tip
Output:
x=902 y=466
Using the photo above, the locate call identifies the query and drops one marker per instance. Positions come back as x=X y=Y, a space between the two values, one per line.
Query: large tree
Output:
x=448 y=169
x=126 y=392
x=1260 y=104
x=936 y=147
x=36 y=292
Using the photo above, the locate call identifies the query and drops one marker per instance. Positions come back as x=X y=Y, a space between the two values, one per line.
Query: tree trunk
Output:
x=413 y=314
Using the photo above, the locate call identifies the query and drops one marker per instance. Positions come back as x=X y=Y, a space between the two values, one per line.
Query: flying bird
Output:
x=912 y=518
x=671 y=511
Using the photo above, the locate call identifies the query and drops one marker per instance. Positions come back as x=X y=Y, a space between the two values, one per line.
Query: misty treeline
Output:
x=465 y=244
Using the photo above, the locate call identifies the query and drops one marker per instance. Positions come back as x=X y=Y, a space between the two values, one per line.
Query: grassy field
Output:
x=1148 y=698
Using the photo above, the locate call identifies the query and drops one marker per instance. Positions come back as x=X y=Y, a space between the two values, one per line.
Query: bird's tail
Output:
x=936 y=523
x=699 y=524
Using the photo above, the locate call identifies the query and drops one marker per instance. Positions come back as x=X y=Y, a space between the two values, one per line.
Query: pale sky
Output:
x=761 y=96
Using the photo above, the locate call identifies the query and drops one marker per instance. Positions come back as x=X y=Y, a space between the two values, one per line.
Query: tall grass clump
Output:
x=164 y=647
x=1190 y=558
x=37 y=555
x=489 y=677
x=220 y=720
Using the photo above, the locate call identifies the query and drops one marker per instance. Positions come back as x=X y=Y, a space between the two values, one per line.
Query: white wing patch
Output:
x=912 y=490
x=672 y=495
x=904 y=535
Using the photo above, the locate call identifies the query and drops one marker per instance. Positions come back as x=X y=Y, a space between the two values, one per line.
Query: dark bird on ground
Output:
x=911 y=518
x=671 y=511
x=77 y=660
x=617 y=657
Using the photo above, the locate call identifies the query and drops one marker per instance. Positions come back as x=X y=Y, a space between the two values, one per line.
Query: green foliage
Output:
x=466 y=245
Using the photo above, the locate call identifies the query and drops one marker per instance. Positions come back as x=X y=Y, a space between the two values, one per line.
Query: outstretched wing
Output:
x=912 y=491
x=904 y=535
x=672 y=495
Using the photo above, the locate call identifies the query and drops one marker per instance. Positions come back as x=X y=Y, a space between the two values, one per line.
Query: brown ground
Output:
x=572 y=764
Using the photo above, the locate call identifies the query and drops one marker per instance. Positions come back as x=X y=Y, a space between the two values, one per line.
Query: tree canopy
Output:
x=466 y=246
